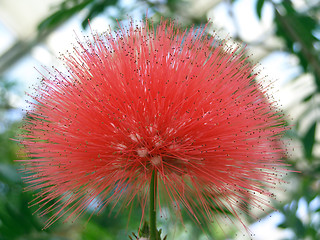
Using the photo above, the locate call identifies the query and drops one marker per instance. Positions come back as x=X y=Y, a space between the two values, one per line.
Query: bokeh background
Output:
x=282 y=35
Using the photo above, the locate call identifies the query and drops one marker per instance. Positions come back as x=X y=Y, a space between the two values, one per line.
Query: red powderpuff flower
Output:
x=145 y=99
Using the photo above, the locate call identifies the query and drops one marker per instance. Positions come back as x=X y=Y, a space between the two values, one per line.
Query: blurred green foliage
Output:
x=298 y=28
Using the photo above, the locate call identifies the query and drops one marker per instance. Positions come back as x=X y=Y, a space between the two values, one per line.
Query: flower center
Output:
x=142 y=152
x=156 y=160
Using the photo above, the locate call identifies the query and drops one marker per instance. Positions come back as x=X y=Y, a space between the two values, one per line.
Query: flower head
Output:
x=145 y=99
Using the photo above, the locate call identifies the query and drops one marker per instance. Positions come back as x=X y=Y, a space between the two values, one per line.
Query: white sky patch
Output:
x=266 y=229
x=6 y=38
x=242 y=19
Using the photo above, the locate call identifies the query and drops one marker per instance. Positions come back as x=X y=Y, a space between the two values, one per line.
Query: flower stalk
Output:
x=153 y=206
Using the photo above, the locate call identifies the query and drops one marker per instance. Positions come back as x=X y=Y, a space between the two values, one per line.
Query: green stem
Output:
x=153 y=205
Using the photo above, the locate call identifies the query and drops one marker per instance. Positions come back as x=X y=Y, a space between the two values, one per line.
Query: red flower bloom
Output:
x=143 y=99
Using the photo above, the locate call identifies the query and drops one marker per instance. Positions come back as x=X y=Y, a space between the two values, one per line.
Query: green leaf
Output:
x=64 y=13
x=297 y=29
x=259 y=7
x=97 y=8
x=95 y=231
x=291 y=220
x=144 y=231
x=308 y=97
x=308 y=141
